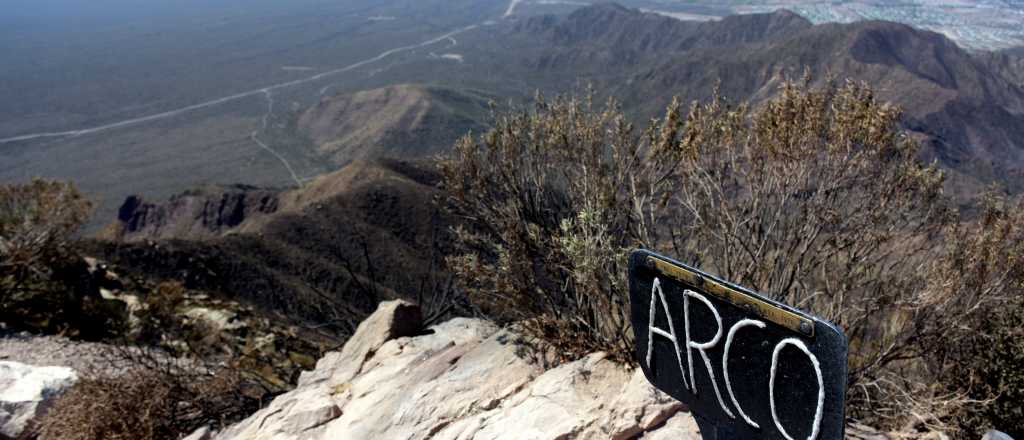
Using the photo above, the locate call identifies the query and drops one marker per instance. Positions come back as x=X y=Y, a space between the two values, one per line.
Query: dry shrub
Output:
x=976 y=337
x=956 y=352
x=45 y=286
x=124 y=408
x=39 y=215
x=37 y=221
x=549 y=223
x=994 y=377
x=153 y=397
x=159 y=320
x=814 y=198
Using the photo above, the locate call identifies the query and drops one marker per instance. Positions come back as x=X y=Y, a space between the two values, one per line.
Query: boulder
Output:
x=462 y=379
x=26 y=392
x=392 y=319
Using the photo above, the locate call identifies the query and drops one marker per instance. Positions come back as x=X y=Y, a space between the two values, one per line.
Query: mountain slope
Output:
x=969 y=114
x=1008 y=62
x=615 y=26
x=309 y=243
x=971 y=119
x=325 y=256
x=402 y=120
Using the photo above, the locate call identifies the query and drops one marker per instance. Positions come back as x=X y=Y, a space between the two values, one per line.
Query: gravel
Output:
x=52 y=351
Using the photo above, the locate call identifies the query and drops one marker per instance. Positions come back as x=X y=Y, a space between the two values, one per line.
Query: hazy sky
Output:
x=22 y=15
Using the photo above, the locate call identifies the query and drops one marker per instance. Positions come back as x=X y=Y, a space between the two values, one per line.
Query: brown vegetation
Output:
x=975 y=340
x=45 y=285
x=814 y=198
x=154 y=398
x=551 y=218
x=36 y=223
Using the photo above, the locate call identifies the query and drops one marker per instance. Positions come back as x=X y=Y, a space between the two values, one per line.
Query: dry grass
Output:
x=154 y=398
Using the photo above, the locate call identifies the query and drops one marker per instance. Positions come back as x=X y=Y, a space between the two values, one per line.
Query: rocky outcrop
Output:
x=463 y=379
x=26 y=392
x=197 y=214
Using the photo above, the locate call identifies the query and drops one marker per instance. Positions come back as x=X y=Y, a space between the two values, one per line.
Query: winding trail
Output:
x=263 y=128
x=237 y=96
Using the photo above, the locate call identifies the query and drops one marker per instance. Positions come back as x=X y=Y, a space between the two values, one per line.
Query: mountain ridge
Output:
x=967 y=113
x=400 y=120
x=365 y=233
x=612 y=23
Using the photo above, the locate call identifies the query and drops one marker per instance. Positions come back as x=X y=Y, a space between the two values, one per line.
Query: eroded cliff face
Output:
x=463 y=379
x=199 y=214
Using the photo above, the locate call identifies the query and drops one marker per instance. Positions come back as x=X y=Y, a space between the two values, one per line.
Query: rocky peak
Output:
x=461 y=379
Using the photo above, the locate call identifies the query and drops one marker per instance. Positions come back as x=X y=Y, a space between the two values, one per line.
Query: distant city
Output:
x=985 y=25
x=977 y=25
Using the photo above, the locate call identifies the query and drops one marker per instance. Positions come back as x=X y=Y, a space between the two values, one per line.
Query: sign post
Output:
x=746 y=366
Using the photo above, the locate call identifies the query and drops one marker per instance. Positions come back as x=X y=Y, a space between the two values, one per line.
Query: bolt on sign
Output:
x=746 y=366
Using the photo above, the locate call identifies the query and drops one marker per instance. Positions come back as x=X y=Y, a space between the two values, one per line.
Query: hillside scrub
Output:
x=814 y=198
x=171 y=367
x=45 y=286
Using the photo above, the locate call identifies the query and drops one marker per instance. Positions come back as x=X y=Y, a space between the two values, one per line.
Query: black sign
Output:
x=746 y=366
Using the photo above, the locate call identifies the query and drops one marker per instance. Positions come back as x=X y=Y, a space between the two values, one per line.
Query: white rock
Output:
x=640 y=407
x=203 y=433
x=679 y=426
x=218 y=318
x=26 y=392
x=996 y=435
x=463 y=379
